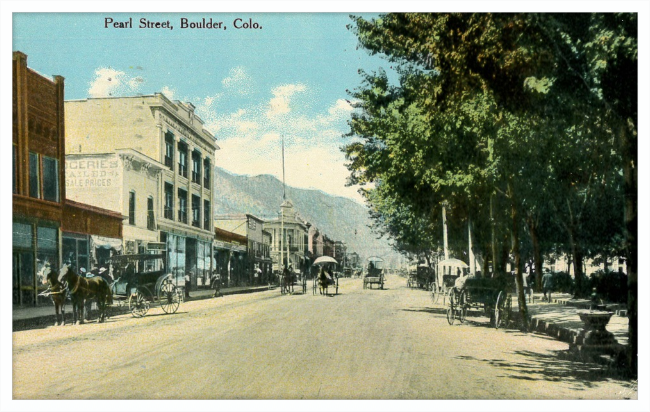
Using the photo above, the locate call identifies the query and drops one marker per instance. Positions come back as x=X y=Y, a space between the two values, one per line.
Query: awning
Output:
x=105 y=242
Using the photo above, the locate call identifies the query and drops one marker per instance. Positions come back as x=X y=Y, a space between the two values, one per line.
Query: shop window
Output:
x=47 y=254
x=151 y=221
x=196 y=211
x=132 y=207
x=50 y=179
x=34 y=176
x=169 y=201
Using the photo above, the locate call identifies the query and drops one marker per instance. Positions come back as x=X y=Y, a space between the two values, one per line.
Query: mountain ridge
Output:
x=338 y=217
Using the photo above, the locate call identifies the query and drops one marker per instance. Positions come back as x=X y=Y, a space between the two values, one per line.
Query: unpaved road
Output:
x=360 y=344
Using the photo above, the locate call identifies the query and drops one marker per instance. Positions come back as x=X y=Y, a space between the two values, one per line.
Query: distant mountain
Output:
x=339 y=218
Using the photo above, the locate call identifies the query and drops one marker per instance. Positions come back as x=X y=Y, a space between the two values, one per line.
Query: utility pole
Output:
x=444 y=228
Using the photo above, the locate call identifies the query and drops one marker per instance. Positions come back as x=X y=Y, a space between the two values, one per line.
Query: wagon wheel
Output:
x=451 y=307
x=500 y=310
x=138 y=305
x=435 y=293
x=462 y=306
x=168 y=297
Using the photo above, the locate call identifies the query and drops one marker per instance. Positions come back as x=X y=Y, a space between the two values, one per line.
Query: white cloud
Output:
x=111 y=82
x=342 y=107
x=238 y=81
x=279 y=104
x=250 y=137
x=168 y=92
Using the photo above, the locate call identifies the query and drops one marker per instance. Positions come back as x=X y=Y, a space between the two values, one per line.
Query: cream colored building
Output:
x=167 y=161
x=293 y=247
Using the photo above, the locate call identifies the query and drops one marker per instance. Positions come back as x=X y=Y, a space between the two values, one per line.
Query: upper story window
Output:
x=132 y=207
x=182 y=205
x=169 y=150
x=182 y=159
x=13 y=172
x=196 y=167
x=169 y=201
x=34 y=176
x=196 y=211
x=151 y=221
x=50 y=179
x=206 y=214
x=43 y=177
x=206 y=173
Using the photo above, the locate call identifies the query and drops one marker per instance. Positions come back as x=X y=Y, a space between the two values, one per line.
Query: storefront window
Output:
x=46 y=255
x=176 y=257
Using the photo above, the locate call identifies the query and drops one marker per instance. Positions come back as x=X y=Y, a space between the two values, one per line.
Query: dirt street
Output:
x=360 y=344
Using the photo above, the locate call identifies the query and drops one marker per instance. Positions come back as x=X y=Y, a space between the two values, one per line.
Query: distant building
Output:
x=230 y=257
x=291 y=246
x=165 y=161
x=258 y=256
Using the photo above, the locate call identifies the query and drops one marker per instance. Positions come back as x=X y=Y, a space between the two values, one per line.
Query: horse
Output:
x=324 y=281
x=288 y=279
x=81 y=289
x=58 y=292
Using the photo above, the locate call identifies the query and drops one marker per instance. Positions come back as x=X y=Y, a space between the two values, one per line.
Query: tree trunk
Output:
x=521 y=297
x=494 y=236
x=537 y=255
x=576 y=251
x=630 y=160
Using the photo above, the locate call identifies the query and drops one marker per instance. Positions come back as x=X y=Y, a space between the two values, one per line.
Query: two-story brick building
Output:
x=48 y=230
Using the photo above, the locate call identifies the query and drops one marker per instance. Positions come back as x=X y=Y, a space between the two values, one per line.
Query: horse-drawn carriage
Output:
x=448 y=271
x=141 y=280
x=421 y=276
x=325 y=279
x=375 y=274
x=489 y=295
x=290 y=279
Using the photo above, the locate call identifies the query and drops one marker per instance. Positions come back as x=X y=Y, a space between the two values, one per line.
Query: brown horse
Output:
x=58 y=292
x=81 y=289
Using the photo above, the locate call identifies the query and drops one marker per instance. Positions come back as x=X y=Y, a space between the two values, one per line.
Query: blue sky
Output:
x=250 y=86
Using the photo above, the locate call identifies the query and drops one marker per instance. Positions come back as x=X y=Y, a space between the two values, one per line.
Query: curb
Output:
x=117 y=309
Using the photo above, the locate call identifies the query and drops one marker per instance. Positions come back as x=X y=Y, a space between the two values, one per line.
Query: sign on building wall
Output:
x=89 y=173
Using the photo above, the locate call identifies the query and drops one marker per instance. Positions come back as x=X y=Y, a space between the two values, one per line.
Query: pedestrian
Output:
x=547 y=285
x=187 y=285
x=216 y=284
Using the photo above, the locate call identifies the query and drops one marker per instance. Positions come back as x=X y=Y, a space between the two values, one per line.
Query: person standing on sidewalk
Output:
x=547 y=285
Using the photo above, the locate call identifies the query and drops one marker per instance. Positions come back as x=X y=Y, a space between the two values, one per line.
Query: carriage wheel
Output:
x=462 y=306
x=138 y=305
x=435 y=295
x=500 y=310
x=168 y=297
x=451 y=307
